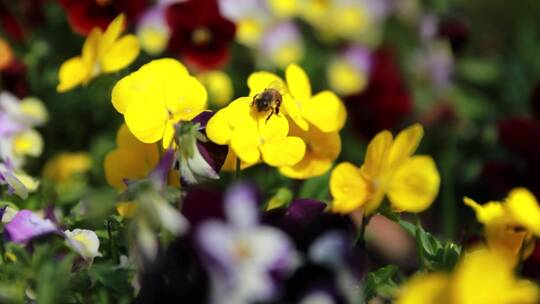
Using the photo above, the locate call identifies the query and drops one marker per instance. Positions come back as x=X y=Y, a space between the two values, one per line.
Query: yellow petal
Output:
x=405 y=144
x=326 y=111
x=123 y=164
x=292 y=109
x=168 y=135
x=28 y=142
x=424 y=288
x=111 y=34
x=259 y=81
x=34 y=108
x=376 y=159
x=186 y=98
x=298 y=83
x=322 y=149
x=286 y=151
x=230 y=162
x=147 y=121
x=126 y=140
x=523 y=207
x=348 y=188
x=245 y=143
x=148 y=83
x=473 y=284
x=90 y=48
x=72 y=73
x=487 y=213
x=218 y=129
x=240 y=114
x=414 y=185
x=274 y=128
x=122 y=53
x=126 y=209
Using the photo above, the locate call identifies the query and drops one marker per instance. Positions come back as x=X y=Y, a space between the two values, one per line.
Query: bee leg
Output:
x=253 y=101
x=277 y=110
x=267 y=118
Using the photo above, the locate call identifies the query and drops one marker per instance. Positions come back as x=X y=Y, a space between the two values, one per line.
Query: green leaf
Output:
x=380 y=282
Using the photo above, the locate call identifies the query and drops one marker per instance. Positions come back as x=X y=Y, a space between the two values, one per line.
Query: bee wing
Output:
x=278 y=85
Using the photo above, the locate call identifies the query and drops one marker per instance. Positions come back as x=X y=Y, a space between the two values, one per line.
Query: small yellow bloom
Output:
x=132 y=159
x=284 y=8
x=345 y=79
x=219 y=86
x=253 y=137
x=390 y=169
x=28 y=142
x=322 y=149
x=103 y=52
x=156 y=97
x=249 y=31
x=510 y=225
x=482 y=276
x=64 y=165
x=126 y=209
x=6 y=54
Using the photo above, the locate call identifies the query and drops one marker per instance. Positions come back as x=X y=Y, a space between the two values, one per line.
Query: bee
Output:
x=269 y=100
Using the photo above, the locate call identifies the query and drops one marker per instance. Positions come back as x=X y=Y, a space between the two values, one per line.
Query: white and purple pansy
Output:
x=244 y=258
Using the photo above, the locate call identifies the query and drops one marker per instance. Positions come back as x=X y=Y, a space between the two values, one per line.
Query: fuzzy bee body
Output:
x=269 y=100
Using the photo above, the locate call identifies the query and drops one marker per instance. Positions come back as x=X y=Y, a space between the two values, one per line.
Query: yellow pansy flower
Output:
x=103 y=52
x=28 y=142
x=482 y=276
x=219 y=86
x=322 y=149
x=390 y=169
x=131 y=159
x=64 y=165
x=156 y=97
x=284 y=8
x=323 y=110
x=509 y=226
x=253 y=135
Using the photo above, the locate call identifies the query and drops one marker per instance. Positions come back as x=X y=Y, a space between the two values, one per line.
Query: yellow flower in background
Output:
x=509 y=226
x=28 y=142
x=324 y=110
x=284 y=9
x=482 y=276
x=131 y=159
x=66 y=164
x=345 y=79
x=390 y=169
x=249 y=31
x=103 y=52
x=322 y=149
x=253 y=136
x=156 y=97
x=6 y=54
x=219 y=87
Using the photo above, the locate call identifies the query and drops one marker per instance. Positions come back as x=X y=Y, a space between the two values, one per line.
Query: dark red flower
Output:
x=84 y=15
x=13 y=79
x=385 y=102
x=199 y=33
x=520 y=135
x=17 y=18
x=456 y=30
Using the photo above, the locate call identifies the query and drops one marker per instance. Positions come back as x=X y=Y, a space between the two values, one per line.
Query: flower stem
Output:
x=237 y=171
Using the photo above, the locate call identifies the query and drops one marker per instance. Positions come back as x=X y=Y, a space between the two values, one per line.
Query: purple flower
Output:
x=244 y=258
x=199 y=159
x=27 y=225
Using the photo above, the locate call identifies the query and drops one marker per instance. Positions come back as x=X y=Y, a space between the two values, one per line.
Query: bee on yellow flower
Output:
x=103 y=52
x=390 y=169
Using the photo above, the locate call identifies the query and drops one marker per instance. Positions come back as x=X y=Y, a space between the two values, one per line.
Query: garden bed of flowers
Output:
x=269 y=151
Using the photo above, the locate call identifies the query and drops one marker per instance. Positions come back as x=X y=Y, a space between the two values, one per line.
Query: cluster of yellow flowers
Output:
x=302 y=140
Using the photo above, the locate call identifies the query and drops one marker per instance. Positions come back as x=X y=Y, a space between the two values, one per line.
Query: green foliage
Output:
x=381 y=282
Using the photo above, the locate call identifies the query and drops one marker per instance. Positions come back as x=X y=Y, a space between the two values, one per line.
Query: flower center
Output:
x=241 y=251
x=201 y=36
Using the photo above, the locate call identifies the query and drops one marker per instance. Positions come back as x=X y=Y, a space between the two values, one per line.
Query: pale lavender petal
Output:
x=281 y=35
x=330 y=249
x=216 y=241
x=359 y=57
x=27 y=225
x=241 y=206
